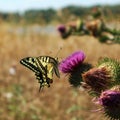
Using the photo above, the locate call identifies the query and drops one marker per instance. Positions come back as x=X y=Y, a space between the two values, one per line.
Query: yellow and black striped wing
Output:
x=51 y=63
x=44 y=67
x=30 y=62
x=40 y=72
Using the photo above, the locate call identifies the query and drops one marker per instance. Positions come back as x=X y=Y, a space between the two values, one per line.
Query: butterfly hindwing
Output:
x=50 y=65
x=54 y=62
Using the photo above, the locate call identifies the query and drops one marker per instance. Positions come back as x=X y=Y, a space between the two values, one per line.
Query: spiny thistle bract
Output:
x=74 y=66
x=104 y=76
x=75 y=77
x=110 y=102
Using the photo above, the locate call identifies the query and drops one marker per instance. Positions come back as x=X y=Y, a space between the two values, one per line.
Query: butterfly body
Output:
x=43 y=67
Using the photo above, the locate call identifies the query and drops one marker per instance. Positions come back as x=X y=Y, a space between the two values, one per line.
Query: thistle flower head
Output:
x=113 y=67
x=110 y=100
x=62 y=29
x=73 y=61
x=74 y=66
x=104 y=76
x=97 y=79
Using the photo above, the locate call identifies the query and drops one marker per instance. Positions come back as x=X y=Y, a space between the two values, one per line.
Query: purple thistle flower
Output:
x=64 y=31
x=110 y=100
x=61 y=29
x=72 y=62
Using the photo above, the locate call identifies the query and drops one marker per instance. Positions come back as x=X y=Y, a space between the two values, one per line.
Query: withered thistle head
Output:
x=104 y=76
x=97 y=78
x=113 y=67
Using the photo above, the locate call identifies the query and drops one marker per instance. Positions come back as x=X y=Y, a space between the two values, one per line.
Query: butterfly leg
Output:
x=41 y=85
x=40 y=88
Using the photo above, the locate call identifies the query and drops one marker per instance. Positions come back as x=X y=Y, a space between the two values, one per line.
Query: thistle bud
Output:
x=104 y=76
x=113 y=68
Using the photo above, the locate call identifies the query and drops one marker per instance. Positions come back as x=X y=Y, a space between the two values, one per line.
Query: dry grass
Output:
x=19 y=96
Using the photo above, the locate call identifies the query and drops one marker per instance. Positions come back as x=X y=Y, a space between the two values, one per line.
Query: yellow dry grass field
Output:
x=20 y=98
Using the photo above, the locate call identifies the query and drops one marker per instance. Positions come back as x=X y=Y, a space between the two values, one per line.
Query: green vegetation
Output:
x=50 y=15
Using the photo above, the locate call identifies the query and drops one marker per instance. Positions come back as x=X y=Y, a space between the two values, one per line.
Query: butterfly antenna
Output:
x=58 y=52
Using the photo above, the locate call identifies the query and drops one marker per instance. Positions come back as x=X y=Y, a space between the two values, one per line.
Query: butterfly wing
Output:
x=30 y=63
x=44 y=67
x=54 y=62
x=51 y=63
x=50 y=71
x=42 y=64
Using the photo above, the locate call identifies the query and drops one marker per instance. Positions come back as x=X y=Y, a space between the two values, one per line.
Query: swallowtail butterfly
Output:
x=43 y=67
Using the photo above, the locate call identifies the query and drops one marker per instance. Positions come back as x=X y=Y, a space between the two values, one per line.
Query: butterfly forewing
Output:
x=30 y=63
